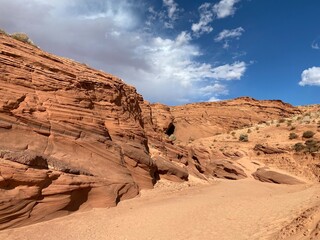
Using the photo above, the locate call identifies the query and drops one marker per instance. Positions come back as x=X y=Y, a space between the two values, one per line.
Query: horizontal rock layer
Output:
x=72 y=137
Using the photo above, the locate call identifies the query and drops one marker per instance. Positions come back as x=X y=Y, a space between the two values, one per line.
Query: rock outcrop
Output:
x=72 y=137
x=60 y=117
x=266 y=175
x=268 y=149
x=200 y=120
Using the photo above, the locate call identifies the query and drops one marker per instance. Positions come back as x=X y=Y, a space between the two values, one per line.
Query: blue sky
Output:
x=178 y=51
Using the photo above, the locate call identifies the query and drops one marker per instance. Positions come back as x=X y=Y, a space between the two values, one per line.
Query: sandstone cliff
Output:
x=72 y=137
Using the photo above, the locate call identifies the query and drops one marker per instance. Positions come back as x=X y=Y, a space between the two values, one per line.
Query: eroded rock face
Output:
x=84 y=122
x=28 y=195
x=266 y=175
x=199 y=120
x=72 y=137
x=268 y=149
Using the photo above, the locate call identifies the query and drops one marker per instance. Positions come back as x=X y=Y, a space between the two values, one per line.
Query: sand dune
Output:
x=244 y=209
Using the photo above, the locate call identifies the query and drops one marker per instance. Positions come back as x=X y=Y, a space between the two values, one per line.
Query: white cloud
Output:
x=164 y=17
x=213 y=99
x=172 y=8
x=232 y=33
x=164 y=69
x=225 y=8
x=175 y=75
x=216 y=89
x=206 y=17
x=315 y=45
x=226 y=45
x=229 y=71
x=209 y=11
x=310 y=76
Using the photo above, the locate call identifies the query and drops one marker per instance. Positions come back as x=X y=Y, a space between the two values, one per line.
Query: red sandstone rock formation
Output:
x=72 y=137
x=77 y=120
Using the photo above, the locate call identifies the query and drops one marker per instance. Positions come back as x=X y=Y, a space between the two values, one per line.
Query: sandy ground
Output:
x=244 y=209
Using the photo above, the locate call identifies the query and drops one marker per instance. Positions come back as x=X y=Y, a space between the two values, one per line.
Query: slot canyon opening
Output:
x=170 y=129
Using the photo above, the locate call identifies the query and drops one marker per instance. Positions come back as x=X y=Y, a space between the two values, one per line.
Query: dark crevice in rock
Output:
x=170 y=129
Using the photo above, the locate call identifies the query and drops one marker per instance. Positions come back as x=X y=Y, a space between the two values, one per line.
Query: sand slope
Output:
x=244 y=209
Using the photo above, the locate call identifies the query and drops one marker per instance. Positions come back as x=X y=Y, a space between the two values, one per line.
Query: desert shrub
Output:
x=257 y=128
x=249 y=130
x=2 y=31
x=243 y=138
x=293 y=136
x=233 y=133
x=308 y=134
x=282 y=120
x=22 y=37
x=292 y=128
x=278 y=125
x=172 y=137
x=312 y=146
x=298 y=147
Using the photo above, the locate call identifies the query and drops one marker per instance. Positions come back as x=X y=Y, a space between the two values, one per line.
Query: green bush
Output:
x=2 y=31
x=293 y=136
x=172 y=137
x=312 y=146
x=308 y=134
x=22 y=37
x=243 y=138
x=298 y=147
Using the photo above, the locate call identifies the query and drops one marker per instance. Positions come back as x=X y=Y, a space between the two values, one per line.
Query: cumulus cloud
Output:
x=216 y=89
x=164 y=69
x=225 y=8
x=232 y=71
x=232 y=33
x=176 y=74
x=208 y=12
x=172 y=7
x=206 y=17
x=213 y=99
x=310 y=76
x=164 y=17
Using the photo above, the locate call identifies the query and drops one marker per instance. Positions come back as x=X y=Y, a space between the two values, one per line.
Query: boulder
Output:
x=266 y=175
